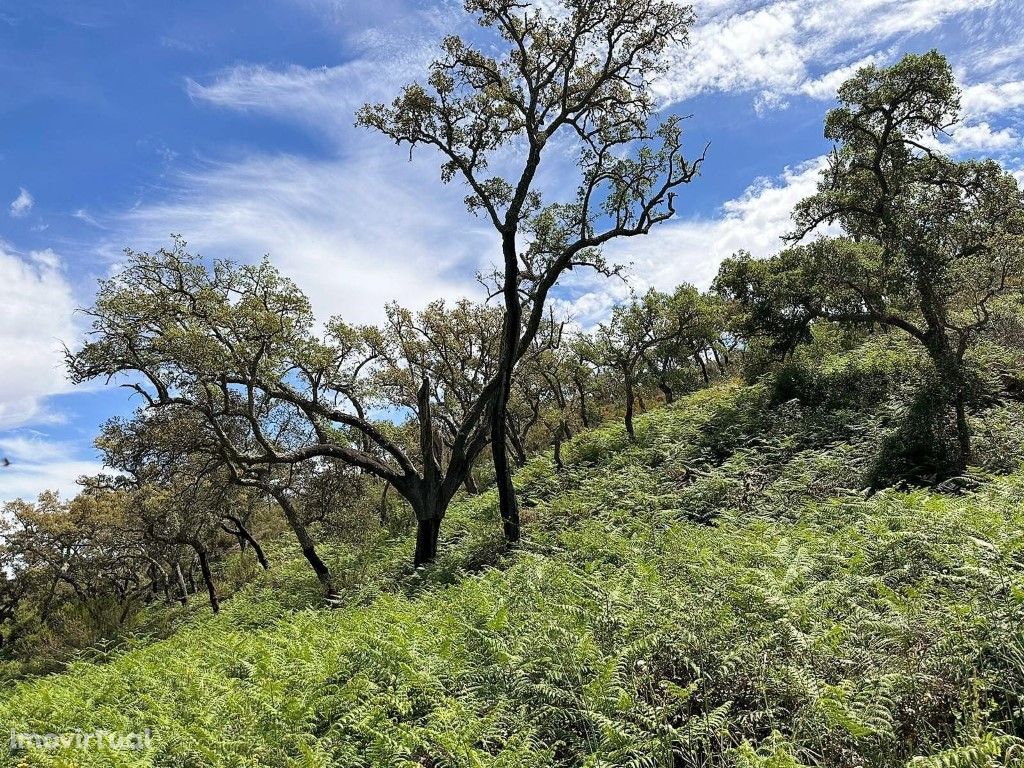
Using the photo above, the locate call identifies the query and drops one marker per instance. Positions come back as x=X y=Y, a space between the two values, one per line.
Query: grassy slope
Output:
x=808 y=625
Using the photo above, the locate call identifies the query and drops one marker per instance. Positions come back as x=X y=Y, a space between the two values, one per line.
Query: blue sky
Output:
x=232 y=124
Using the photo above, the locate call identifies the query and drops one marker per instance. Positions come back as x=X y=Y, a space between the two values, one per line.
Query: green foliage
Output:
x=806 y=626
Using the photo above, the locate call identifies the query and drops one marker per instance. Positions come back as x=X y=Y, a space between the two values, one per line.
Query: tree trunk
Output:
x=204 y=566
x=507 y=355
x=630 y=397
x=323 y=573
x=181 y=583
x=952 y=382
x=584 y=419
x=246 y=537
x=666 y=390
x=518 y=449
x=470 y=483
x=507 y=502
x=427 y=534
x=718 y=360
x=703 y=368
x=261 y=556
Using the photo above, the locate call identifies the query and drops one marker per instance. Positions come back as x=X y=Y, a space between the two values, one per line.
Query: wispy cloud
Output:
x=36 y=316
x=323 y=98
x=350 y=236
x=83 y=215
x=22 y=204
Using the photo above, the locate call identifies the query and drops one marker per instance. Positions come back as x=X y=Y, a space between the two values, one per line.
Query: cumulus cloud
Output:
x=38 y=464
x=983 y=99
x=36 y=316
x=690 y=249
x=826 y=86
x=981 y=137
x=22 y=204
x=795 y=46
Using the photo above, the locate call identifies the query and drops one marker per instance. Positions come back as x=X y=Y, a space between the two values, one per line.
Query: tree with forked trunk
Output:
x=233 y=348
x=575 y=77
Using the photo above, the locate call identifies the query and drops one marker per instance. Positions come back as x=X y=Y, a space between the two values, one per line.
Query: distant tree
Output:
x=930 y=242
x=692 y=347
x=235 y=347
x=576 y=77
x=537 y=407
x=659 y=331
x=170 y=446
x=79 y=551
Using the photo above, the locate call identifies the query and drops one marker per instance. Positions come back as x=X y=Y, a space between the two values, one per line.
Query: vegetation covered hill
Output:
x=726 y=590
x=802 y=546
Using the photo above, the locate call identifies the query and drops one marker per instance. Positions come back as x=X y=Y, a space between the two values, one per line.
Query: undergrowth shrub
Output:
x=707 y=596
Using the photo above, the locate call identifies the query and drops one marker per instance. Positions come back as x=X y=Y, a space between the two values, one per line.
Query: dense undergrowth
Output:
x=735 y=589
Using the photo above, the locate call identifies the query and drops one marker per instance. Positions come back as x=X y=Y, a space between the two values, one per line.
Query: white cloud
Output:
x=982 y=99
x=36 y=315
x=22 y=204
x=324 y=97
x=981 y=137
x=362 y=227
x=39 y=464
x=356 y=229
x=691 y=249
x=966 y=138
x=826 y=86
x=795 y=46
x=345 y=230
x=83 y=215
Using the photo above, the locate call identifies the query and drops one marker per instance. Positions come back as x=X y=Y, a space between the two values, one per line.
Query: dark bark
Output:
x=562 y=430
x=518 y=449
x=630 y=398
x=703 y=368
x=718 y=359
x=429 y=503
x=155 y=580
x=507 y=502
x=211 y=588
x=323 y=573
x=509 y=353
x=584 y=418
x=427 y=534
x=245 y=537
x=470 y=483
x=306 y=543
x=261 y=556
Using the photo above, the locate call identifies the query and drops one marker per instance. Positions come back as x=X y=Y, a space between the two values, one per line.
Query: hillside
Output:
x=725 y=591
